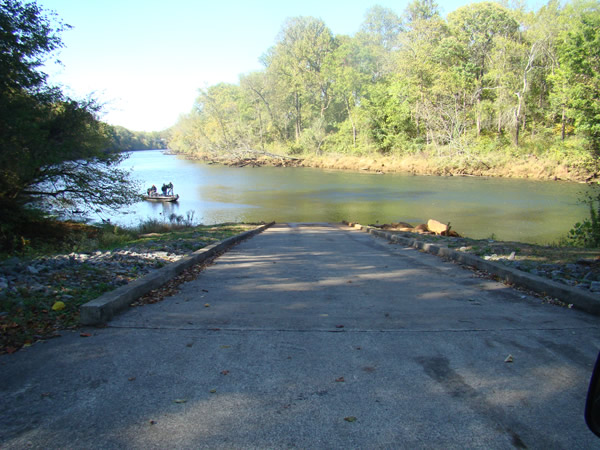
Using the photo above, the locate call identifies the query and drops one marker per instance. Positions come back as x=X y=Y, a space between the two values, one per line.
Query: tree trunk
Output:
x=262 y=141
x=298 y=117
x=351 y=121
x=478 y=115
x=563 y=124
x=517 y=117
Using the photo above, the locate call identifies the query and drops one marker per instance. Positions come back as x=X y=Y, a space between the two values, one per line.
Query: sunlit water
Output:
x=520 y=210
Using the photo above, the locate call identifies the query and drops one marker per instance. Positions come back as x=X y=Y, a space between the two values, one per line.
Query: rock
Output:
x=32 y=270
x=421 y=228
x=396 y=225
x=437 y=227
x=557 y=274
x=595 y=286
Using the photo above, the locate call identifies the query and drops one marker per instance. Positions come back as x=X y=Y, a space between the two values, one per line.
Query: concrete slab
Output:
x=314 y=336
x=578 y=298
x=105 y=307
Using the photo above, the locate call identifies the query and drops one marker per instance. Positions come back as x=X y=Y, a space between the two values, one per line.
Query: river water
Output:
x=504 y=209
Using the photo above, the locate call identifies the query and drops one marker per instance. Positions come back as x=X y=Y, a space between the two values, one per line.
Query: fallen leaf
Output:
x=212 y=391
x=58 y=306
x=339 y=326
x=85 y=334
x=340 y=380
x=152 y=422
x=509 y=359
x=207 y=305
x=350 y=419
x=130 y=378
x=225 y=346
x=180 y=400
x=224 y=372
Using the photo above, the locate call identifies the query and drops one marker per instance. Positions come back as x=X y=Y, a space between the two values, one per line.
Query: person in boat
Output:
x=164 y=189
x=152 y=191
x=170 y=188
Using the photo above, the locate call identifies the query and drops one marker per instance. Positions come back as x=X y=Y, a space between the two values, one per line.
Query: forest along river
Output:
x=503 y=209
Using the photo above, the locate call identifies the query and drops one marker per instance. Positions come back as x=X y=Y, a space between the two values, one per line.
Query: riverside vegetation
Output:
x=487 y=90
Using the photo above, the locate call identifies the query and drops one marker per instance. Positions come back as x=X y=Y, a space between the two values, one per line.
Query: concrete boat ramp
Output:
x=313 y=336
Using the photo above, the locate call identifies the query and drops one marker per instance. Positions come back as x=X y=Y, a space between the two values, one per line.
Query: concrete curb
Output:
x=579 y=299
x=105 y=307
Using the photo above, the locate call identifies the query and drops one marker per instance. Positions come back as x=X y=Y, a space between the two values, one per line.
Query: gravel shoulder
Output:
x=42 y=295
x=572 y=266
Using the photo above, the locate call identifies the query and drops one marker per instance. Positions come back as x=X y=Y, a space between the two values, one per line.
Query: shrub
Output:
x=587 y=233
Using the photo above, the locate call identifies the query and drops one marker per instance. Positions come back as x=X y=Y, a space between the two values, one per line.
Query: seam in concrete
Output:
x=105 y=307
x=579 y=299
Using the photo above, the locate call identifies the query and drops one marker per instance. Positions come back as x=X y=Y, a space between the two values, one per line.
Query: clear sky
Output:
x=146 y=59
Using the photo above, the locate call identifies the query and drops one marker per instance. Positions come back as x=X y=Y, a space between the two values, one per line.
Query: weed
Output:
x=587 y=232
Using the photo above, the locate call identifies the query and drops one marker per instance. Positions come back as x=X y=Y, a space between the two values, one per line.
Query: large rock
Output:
x=437 y=227
x=422 y=228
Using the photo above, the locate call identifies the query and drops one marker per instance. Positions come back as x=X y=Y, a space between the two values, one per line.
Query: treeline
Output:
x=486 y=79
x=122 y=139
x=56 y=156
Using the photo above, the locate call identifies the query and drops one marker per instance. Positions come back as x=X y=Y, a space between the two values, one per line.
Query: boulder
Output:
x=437 y=227
x=421 y=228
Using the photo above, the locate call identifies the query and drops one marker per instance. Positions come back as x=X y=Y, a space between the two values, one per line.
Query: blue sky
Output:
x=146 y=59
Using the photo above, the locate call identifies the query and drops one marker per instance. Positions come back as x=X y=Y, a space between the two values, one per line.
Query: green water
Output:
x=521 y=210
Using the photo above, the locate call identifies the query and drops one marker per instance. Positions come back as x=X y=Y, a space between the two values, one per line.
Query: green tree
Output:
x=297 y=61
x=579 y=73
x=52 y=148
x=350 y=68
x=477 y=28
x=421 y=10
x=417 y=76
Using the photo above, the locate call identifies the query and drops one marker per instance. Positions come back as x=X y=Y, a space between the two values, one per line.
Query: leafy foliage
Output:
x=53 y=148
x=416 y=82
x=587 y=232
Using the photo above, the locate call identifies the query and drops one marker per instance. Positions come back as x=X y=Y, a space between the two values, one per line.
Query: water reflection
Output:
x=509 y=209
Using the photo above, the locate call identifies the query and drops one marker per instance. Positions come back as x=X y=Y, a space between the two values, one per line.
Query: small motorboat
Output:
x=161 y=198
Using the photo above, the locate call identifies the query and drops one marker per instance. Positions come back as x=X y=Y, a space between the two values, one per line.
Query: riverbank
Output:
x=493 y=164
x=41 y=295
x=572 y=266
x=41 y=292
x=530 y=167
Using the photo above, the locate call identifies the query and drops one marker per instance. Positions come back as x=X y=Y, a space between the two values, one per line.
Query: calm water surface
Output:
x=527 y=211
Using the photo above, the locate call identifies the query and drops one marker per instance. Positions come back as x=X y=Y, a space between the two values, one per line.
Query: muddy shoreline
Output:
x=532 y=167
